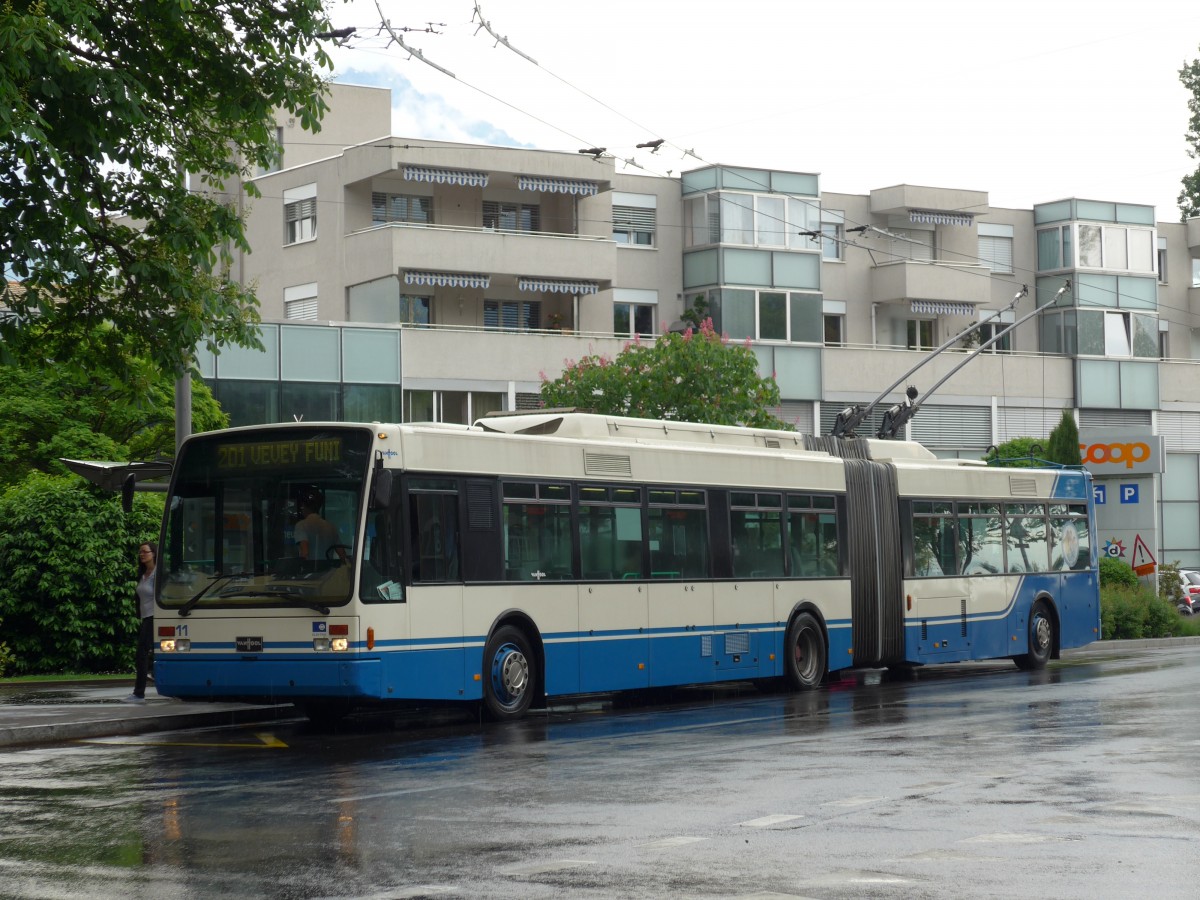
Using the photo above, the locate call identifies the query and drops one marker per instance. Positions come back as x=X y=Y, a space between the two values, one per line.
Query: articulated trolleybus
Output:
x=538 y=555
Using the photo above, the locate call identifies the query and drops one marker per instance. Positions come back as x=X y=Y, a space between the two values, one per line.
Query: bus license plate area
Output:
x=249 y=644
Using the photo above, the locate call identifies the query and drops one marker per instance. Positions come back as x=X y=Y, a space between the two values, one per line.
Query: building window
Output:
x=1161 y=261
x=996 y=253
x=300 y=302
x=770 y=316
x=989 y=330
x=1115 y=247
x=701 y=221
x=760 y=220
x=633 y=318
x=511 y=216
x=908 y=243
x=512 y=315
x=1093 y=332
x=381 y=301
x=1055 y=248
x=737 y=219
x=414 y=310
x=633 y=217
x=459 y=407
x=300 y=214
x=835 y=330
x=833 y=233
x=633 y=225
x=1164 y=343
x=919 y=334
x=401 y=208
x=996 y=247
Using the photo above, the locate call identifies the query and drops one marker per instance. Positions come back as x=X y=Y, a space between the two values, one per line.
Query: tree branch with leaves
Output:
x=103 y=107
x=1189 y=197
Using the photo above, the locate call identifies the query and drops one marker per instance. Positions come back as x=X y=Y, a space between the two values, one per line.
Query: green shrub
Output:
x=1169 y=587
x=68 y=554
x=6 y=658
x=1136 y=612
x=1116 y=572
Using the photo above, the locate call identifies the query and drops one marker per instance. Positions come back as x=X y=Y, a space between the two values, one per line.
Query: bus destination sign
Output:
x=279 y=454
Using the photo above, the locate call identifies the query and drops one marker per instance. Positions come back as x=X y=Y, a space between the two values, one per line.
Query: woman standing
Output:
x=147 y=562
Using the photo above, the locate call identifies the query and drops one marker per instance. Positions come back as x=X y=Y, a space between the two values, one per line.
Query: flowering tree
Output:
x=697 y=376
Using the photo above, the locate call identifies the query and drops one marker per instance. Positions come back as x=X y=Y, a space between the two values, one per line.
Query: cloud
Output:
x=416 y=114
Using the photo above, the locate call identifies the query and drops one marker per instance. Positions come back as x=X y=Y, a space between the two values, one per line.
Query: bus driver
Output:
x=315 y=536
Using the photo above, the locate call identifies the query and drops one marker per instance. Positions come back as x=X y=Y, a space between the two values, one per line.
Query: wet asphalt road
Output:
x=968 y=781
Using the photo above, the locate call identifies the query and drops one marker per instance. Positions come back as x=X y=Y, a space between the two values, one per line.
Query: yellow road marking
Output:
x=266 y=741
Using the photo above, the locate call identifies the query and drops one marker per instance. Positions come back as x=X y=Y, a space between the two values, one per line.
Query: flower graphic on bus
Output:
x=1114 y=549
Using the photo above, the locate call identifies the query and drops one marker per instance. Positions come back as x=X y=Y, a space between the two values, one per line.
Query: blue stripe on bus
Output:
x=450 y=668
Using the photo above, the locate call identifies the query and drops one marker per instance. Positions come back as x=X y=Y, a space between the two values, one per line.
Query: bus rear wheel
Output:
x=509 y=674
x=804 y=653
x=1041 y=639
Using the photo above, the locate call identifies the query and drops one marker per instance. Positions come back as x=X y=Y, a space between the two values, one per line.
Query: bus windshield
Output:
x=264 y=519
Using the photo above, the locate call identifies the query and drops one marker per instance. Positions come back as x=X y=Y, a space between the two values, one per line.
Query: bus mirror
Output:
x=381 y=489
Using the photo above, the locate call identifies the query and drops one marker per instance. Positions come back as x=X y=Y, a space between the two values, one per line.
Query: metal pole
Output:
x=183 y=409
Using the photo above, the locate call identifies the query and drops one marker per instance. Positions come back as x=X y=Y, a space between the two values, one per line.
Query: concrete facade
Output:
x=406 y=279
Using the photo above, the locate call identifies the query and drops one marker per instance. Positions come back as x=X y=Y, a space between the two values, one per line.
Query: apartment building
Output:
x=413 y=280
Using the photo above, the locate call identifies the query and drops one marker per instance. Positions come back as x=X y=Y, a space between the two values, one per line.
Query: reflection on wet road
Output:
x=966 y=781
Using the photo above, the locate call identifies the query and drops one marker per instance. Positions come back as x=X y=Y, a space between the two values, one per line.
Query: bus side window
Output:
x=433 y=537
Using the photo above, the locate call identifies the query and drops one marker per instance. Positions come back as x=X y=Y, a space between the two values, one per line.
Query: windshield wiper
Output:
x=187 y=608
x=291 y=597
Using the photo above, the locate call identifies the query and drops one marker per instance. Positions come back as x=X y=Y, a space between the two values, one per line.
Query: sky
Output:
x=1028 y=101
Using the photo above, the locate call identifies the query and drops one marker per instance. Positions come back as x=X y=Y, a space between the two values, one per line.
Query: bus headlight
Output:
x=175 y=645
x=321 y=644
x=341 y=644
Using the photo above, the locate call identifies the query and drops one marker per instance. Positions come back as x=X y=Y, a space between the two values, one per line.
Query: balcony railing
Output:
x=480 y=229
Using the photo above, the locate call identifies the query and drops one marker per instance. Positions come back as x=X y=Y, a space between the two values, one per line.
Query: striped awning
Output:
x=929 y=217
x=556 y=286
x=446 y=176
x=557 y=185
x=448 y=279
x=942 y=308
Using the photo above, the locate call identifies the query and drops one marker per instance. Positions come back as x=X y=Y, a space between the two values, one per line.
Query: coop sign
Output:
x=1120 y=451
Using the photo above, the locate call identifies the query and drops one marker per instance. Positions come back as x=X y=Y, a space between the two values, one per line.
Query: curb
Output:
x=58 y=732
x=1117 y=646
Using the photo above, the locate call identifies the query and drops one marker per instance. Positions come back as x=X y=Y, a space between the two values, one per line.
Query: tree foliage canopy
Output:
x=69 y=557
x=1063 y=443
x=103 y=106
x=1023 y=452
x=50 y=413
x=697 y=376
x=1062 y=446
x=66 y=547
x=1189 y=197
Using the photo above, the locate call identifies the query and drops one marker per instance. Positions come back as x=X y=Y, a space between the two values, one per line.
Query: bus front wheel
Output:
x=804 y=653
x=509 y=674
x=1041 y=639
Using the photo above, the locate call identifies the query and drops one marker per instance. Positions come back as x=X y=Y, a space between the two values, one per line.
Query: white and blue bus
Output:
x=539 y=555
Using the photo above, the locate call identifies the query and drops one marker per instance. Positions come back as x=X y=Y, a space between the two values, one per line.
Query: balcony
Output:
x=384 y=249
x=854 y=374
x=900 y=282
x=486 y=357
